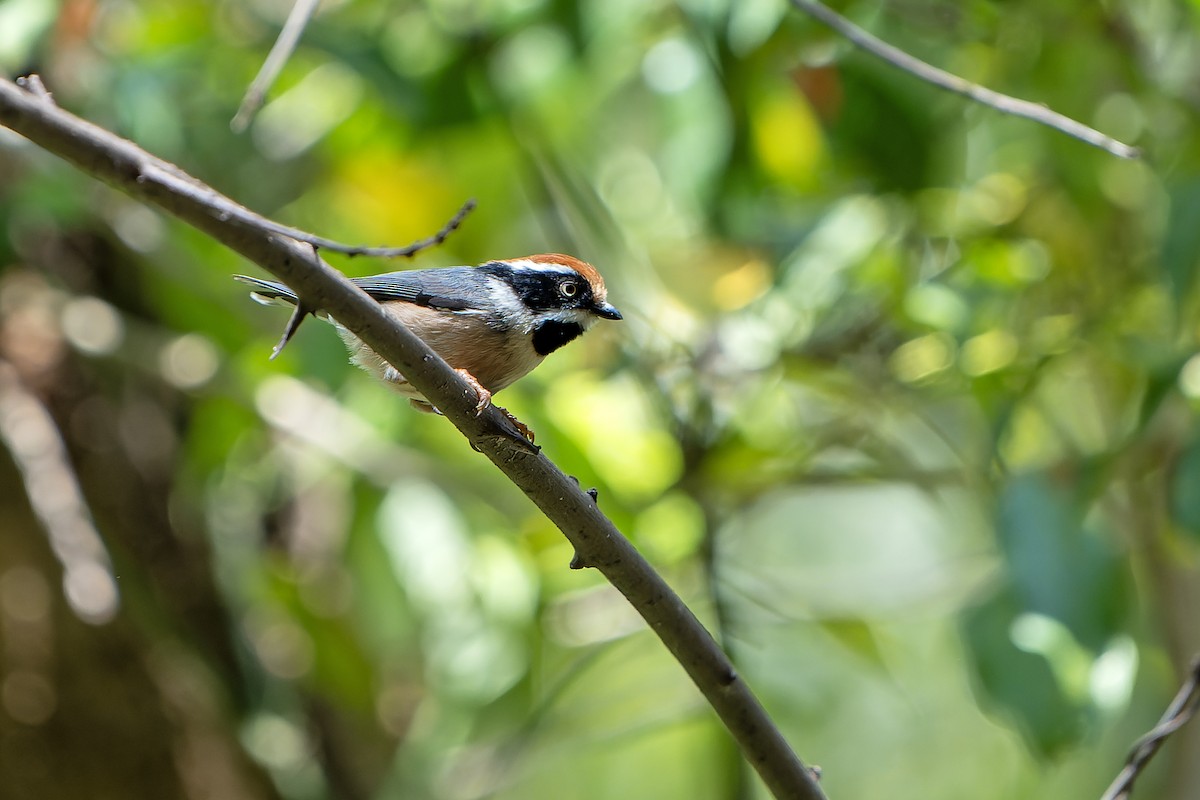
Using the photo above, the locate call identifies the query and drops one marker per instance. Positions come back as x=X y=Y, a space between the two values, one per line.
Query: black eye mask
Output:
x=540 y=290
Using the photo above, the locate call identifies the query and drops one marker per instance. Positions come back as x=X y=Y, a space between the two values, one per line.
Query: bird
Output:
x=493 y=323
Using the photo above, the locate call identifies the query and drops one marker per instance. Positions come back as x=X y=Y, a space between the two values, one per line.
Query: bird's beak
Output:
x=606 y=310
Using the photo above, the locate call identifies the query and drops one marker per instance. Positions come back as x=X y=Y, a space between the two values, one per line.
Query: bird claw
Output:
x=519 y=430
x=485 y=397
x=485 y=400
x=521 y=427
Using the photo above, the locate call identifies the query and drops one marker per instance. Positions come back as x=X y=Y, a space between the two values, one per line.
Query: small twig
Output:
x=32 y=83
x=382 y=251
x=281 y=51
x=1181 y=710
x=951 y=82
x=226 y=211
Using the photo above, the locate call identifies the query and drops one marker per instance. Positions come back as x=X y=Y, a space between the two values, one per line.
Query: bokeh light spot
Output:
x=936 y=305
x=529 y=60
x=1189 y=378
x=922 y=358
x=276 y=742
x=988 y=352
x=1127 y=183
x=91 y=592
x=998 y=199
x=24 y=595
x=283 y=647
x=189 y=361
x=28 y=697
x=671 y=66
x=1113 y=674
x=740 y=286
x=1121 y=116
x=303 y=115
x=787 y=137
x=92 y=325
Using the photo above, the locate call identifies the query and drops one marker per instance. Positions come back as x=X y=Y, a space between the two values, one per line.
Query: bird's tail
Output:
x=269 y=293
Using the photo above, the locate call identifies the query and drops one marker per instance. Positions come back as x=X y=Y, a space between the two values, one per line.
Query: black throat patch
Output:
x=549 y=336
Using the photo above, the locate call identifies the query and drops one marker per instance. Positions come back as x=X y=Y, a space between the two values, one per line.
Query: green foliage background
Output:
x=905 y=404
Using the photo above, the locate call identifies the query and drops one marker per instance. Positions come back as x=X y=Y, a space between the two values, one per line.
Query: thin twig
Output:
x=134 y=171
x=953 y=83
x=383 y=251
x=281 y=51
x=1181 y=710
x=33 y=84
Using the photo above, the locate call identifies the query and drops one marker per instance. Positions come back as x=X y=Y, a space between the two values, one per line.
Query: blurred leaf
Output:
x=1018 y=682
x=1181 y=243
x=1162 y=380
x=1185 y=489
x=339 y=667
x=857 y=637
x=787 y=138
x=885 y=122
x=22 y=24
x=1059 y=566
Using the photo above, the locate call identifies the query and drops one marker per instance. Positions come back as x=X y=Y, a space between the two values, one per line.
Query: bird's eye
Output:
x=569 y=288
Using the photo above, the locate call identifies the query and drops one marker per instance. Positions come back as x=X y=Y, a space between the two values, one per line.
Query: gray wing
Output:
x=448 y=288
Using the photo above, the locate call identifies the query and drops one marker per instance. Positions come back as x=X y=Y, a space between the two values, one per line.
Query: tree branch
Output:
x=953 y=83
x=1178 y=713
x=596 y=540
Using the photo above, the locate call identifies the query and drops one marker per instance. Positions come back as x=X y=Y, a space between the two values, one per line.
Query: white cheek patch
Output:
x=576 y=315
x=508 y=306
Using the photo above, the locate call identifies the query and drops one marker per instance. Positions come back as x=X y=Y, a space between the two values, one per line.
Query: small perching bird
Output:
x=493 y=323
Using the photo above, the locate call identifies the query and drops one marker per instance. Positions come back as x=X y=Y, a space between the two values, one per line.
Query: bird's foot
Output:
x=520 y=427
x=485 y=397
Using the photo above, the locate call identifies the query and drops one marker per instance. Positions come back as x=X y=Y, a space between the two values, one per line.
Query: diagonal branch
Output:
x=953 y=83
x=1178 y=713
x=597 y=541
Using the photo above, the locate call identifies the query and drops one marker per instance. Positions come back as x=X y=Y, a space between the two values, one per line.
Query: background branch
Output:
x=1178 y=713
x=29 y=433
x=289 y=37
x=596 y=540
x=951 y=82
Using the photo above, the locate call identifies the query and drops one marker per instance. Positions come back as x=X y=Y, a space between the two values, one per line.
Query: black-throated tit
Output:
x=493 y=323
